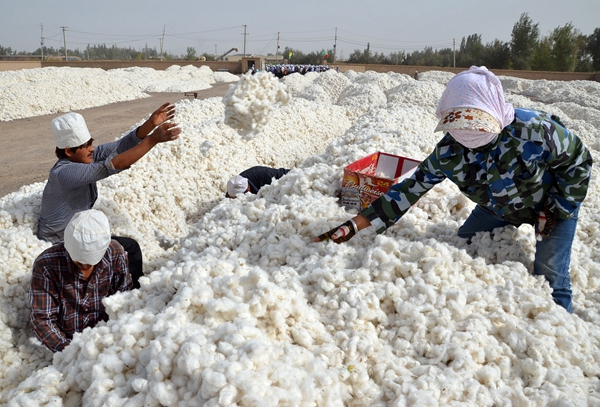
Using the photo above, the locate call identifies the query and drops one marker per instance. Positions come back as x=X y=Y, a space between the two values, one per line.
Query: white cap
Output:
x=69 y=130
x=87 y=237
x=237 y=185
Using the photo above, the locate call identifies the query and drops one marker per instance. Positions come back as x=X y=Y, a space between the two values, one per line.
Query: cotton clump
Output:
x=238 y=305
x=249 y=103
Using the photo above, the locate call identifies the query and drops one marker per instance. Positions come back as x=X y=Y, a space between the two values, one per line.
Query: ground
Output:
x=27 y=145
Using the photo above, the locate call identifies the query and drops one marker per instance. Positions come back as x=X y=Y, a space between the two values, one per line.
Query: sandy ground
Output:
x=27 y=146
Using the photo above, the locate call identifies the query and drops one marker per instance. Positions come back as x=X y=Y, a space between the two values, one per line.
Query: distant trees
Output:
x=564 y=49
x=297 y=57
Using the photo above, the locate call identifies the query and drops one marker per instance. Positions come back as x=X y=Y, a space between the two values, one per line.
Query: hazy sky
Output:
x=307 y=25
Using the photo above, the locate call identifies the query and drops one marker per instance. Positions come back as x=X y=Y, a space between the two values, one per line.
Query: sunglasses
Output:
x=87 y=144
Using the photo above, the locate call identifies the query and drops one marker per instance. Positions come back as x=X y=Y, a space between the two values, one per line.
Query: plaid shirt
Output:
x=62 y=302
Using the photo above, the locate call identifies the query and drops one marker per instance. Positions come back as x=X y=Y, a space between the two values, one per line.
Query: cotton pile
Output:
x=239 y=307
x=36 y=92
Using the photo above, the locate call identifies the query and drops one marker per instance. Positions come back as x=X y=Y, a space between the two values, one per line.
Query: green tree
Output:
x=541 y=57
x=497 y=55
x=525 y=35
x=471 y=51
x=593 y=48
x=564 y=48
x=584 y=57
x=190 y=54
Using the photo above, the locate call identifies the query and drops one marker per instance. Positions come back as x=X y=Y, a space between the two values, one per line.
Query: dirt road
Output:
x=27 y=145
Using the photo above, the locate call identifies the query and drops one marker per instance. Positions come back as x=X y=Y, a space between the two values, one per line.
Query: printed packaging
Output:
x=370 y=177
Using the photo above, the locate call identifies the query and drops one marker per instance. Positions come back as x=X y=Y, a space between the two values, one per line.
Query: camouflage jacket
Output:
x=535 y=160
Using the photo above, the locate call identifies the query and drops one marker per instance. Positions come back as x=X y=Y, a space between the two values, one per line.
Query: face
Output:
x=247 y=189
x=83 y=267
x=81 y=154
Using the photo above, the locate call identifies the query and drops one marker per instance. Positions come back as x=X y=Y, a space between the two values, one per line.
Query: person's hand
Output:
x=166 y=132
x=546 y=222
x=162 y=114
x=339 y=234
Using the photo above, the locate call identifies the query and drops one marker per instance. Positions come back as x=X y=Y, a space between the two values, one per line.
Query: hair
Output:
x=62 y=153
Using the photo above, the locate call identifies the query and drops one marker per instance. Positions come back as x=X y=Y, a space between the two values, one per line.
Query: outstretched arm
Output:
x=158 y=117
x=346 y=230
x=164 y=132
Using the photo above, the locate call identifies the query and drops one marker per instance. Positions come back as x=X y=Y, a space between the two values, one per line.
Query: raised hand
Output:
x=166 y=132
x=162 y=114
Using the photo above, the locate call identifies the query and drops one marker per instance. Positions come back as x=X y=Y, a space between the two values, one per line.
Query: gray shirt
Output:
x=71 y=187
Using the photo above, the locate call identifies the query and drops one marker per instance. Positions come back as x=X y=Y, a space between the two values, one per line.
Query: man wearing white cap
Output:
x=71 y=185
x=520 y=166
x=71 y=278
x=253 y=179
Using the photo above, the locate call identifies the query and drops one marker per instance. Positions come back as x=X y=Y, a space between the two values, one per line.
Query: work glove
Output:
x=341 y=233
x=546 y=222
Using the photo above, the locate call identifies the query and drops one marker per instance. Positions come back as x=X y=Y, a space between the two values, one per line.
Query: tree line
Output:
x=565 y=49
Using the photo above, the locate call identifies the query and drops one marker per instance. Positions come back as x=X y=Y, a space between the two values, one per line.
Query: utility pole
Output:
x=454 y=53
x=335 y=46
x=42 y=41
x=162 y=40
x=215 y=52
x=65 y=41
x=245 y=34
x=277 y=51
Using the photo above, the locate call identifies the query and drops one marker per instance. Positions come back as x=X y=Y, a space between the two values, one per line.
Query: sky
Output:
x=214 y=27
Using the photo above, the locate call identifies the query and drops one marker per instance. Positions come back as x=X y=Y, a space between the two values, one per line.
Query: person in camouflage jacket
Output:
x=533 y=169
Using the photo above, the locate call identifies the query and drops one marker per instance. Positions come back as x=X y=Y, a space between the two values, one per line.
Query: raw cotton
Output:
x=239 y=306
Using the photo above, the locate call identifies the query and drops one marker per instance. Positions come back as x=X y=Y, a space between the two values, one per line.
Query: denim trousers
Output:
x=552 y=253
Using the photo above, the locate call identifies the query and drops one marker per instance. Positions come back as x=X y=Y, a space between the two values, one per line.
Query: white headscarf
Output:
x=237 y=185
x=480 y=89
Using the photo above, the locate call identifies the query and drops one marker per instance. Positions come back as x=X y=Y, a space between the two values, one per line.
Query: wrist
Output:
x=354 y=225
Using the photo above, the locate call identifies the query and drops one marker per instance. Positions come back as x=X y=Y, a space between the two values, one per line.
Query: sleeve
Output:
x=74 y=175
x=114 y=148
x=45 y=305
x=121 y=277
x=570 y=163
x=390 y=207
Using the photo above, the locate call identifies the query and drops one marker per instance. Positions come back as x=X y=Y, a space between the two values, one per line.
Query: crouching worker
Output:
x=71 y=278
x=253 y=179
x=71 y=185
x=520 y=166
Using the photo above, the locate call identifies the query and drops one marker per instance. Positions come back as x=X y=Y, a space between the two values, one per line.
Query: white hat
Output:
x=87 y=237
x=69 y=130
x=237 y=185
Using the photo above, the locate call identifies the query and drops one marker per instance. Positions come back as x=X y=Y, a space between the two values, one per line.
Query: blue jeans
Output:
x=552 y=253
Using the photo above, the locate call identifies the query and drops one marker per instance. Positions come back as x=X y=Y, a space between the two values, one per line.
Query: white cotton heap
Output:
x=239 y=306
x=40 y=91
x=250 y=103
